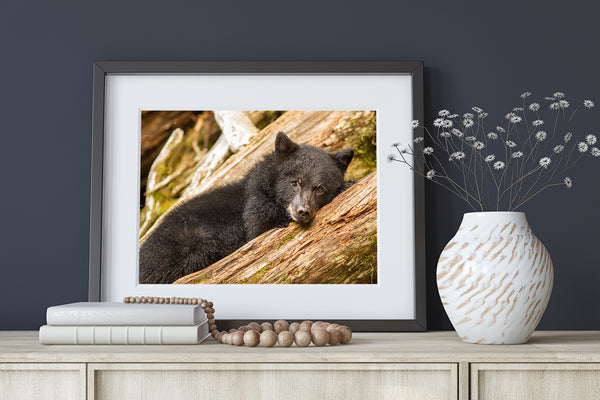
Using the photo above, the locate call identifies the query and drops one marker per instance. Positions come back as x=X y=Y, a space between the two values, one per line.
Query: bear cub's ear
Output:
x=284 y=146
x=342 y=158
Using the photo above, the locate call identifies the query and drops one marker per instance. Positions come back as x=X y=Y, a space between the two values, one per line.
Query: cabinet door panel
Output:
x=265 y=381
x=535 y=381
x=42 y=381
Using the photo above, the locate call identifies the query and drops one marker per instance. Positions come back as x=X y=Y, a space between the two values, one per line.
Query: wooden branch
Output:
x=339 y=247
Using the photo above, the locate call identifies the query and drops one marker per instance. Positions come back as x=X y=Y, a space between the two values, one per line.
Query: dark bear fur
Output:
x=290 y=184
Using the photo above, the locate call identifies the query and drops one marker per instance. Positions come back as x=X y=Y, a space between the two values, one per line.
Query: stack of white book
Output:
x=124 y=323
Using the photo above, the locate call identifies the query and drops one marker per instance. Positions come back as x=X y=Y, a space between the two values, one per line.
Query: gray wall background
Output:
x=475 y=53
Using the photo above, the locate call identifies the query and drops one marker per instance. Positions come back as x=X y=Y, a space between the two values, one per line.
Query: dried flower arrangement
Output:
x=504 y=168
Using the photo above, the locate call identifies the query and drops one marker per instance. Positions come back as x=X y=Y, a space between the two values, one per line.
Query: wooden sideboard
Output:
x=431 y=365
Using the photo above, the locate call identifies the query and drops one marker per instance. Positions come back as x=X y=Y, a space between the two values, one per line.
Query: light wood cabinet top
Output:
x=427 y=347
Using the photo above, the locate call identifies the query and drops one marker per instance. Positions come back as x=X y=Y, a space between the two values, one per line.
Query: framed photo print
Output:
x=261 y=186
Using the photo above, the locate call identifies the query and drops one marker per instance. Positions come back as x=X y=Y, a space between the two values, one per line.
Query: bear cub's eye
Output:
x=295 y=183
x=319 y=189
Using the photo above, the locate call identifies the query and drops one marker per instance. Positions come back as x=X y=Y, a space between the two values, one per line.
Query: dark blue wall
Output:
x=475 y=52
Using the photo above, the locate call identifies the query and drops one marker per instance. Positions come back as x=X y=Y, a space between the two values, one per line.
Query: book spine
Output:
x=123 y=316
x=123 y=334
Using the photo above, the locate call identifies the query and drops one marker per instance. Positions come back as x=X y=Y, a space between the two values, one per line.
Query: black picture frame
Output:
x=103 y=68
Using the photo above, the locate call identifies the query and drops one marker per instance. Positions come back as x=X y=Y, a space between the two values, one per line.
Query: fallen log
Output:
x=340 y=246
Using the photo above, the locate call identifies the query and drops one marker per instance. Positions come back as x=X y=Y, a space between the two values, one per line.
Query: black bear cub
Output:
x=289 y=184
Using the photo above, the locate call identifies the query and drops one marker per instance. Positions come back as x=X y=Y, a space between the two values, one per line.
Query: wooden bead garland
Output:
x=302 y=333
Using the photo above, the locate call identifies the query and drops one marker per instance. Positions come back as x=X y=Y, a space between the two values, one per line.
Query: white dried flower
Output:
x=405 y=151
x=525 y=95
x=549 y=98
x=457 y=132
x=517 y=154
x=447 y=123
x=554 y=106
x=582 y=147
x=445 y=134
x=489 y=158
x=510 y=115
x=500 y=129
x=541 y=135
x=443 y=113
x=478 y=145
x=568 y=137
x=492 y=135
x=477 y=109
x=534 y=106
x=563 y=104
x=537 y=122
x=457 y=155
x=430 y=174
x=558 y=95
x=516 y=119
x=470 y=138
x=428 y=151
x=568 y=182
x=391 y=157
x=518 y=109
x=415 y=123
x=558 y=149
x=467 y=123
x=591 y=139
x=482 y=115
x=468 y=116
x=588 y=103
x=438 y=122
x=453 y=116
x=510 y=143
x=498 y=165
x=418 y=139
x=545 y=162
x=595 y=152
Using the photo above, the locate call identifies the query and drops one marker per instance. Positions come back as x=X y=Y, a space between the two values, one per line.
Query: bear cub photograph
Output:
x=258 y=197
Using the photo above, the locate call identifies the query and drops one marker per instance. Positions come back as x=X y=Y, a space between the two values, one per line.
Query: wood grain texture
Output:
x=425 y=347
x=270 y=381
x=42 y=381
x=533 y=381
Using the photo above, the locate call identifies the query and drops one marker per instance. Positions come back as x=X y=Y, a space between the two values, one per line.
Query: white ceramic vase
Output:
x=495 y=278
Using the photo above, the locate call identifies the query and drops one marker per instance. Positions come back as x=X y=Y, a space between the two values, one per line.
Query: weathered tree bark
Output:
x=339 y=247
x=157 y=126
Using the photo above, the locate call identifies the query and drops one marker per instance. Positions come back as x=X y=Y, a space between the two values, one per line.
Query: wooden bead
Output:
x=214 y=333
x=212 y=327
x=306 y=325
x=280 y=326
x=161 y=300
x=255 y=326
x=225 y=338
x=302 y=338
x=251 y=338
x=219 y=336
x=320 y=337
x=144 y=300
x=194 y=301
x=346 y=334
x=211 y=321
x=243 y=329
x=238 y=338
x=209 y=304
x=268 y=338
x=294 y=327
x=210 y=315
x=125 y=299
x=203 y=304
x=332 y=326
x=266 y=326
x=209 y=310
x=334 y=337
x=285 y=339
x=232 y=330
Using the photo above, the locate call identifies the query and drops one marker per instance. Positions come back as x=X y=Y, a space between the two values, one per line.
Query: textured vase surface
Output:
x=495 y=278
